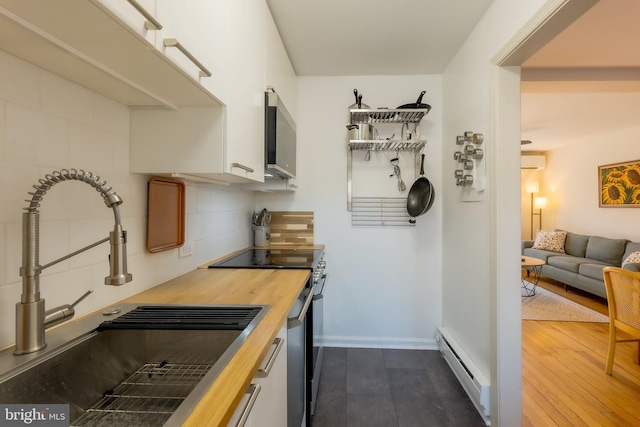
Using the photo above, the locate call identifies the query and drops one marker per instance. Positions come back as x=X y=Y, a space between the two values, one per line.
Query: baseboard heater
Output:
x=473 y=382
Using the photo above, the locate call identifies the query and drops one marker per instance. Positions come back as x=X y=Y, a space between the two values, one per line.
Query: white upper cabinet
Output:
x=224 y=144
x=159 y=53
x=194 y=37
x=279 y=72
x=138 y=15
x=104 y=45
x=187 y=141
x=246 y=86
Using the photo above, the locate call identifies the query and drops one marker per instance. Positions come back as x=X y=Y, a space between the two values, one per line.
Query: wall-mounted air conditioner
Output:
x=532 y=161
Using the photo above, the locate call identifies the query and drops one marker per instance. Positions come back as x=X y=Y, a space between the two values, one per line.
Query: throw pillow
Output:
x=634 y=257
x=550 y=241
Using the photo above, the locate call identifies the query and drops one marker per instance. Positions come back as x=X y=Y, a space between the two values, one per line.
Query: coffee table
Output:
x=533 y=266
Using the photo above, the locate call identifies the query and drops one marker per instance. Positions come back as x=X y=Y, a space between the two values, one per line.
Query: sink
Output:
x=147 y=365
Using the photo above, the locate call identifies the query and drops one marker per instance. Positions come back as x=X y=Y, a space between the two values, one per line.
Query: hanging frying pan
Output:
x=417 y=104
x=421 y=195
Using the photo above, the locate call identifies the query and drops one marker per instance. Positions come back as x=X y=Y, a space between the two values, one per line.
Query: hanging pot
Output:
x=421 y=195
x=358 y=104
x=362 y=131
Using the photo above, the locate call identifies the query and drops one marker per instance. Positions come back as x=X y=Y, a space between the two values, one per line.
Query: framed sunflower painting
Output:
x=619 y=185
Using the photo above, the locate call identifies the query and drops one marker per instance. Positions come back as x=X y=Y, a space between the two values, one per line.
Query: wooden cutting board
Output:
x=165 y=214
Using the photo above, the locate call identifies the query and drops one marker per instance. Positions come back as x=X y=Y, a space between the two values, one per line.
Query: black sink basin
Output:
x=185 y=317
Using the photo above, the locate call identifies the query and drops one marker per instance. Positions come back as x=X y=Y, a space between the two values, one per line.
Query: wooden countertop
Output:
x=277 y=288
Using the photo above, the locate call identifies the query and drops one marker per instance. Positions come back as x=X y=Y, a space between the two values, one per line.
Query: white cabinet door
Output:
x=134 y=15
x=270 y=406
x=199 y=28
x=188 y=141
x=270 y=410
x=103 y=45
x=245 y=100
x=279 y=73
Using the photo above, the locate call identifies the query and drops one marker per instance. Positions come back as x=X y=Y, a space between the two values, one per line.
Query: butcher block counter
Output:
x=277 y=288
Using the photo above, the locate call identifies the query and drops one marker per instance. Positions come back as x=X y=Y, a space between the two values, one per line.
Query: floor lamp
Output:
x=539 y=203
x=532 y=187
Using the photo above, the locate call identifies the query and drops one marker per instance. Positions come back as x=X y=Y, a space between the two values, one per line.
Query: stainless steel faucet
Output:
x=31 y=317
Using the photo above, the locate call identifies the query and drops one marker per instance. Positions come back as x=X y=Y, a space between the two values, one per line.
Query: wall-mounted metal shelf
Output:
x=400 y=115
x=386 y=145
x=383 y=116
x=380 y=212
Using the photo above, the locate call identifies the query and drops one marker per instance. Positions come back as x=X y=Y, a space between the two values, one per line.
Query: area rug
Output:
x=545 y=305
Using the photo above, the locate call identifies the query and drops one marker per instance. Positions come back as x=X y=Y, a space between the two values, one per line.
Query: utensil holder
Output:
x=262 y=235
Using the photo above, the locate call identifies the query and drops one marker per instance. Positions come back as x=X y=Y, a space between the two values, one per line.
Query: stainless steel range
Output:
x=304 y=350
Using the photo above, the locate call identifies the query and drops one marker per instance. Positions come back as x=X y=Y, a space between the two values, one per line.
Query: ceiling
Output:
x=374 y=37
x=587 y=79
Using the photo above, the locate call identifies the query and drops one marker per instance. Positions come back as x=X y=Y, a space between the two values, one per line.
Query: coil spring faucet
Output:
x=31 y=318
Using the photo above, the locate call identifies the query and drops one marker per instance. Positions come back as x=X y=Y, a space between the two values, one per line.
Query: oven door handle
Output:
x=320 y=294
x=293 y=322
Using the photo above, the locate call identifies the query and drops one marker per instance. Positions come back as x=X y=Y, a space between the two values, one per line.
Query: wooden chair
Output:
x=623 y=295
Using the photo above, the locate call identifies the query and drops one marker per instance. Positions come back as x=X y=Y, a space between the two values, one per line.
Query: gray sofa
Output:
x=581 y=266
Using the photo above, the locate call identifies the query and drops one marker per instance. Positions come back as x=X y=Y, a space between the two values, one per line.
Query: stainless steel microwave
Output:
x=280 y=139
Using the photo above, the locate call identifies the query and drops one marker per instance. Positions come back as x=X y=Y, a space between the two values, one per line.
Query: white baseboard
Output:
x=472 y=380
x=380 y=342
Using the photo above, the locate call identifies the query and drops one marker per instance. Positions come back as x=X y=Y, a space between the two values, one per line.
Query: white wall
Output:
x=385 y=284
x=481 y=302
x=46 y=124
x=571 y=183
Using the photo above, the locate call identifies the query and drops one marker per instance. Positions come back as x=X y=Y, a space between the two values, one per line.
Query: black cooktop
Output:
x=272 y=258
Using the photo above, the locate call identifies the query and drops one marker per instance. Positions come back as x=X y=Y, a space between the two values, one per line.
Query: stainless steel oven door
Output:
x=297 y=359
x=317 y=332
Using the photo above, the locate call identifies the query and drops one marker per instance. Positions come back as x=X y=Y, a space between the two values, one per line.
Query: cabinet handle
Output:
x=175 y=43
x=243 y=167
x=253 y=391
x=293 y=322
x=151 y=23
x=264 y=372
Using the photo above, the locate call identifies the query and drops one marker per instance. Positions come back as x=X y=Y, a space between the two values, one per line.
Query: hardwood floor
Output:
x=563 y=378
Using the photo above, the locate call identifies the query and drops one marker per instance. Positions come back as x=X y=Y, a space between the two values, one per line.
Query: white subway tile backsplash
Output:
x=36 y=138
x=85 y=232
x=110 y=116
x=190 y=195
x=121 y=163
x=13 y=253
x=3 y=108
x=54 y=243
x=67 y=126
x=63 y=98
x=204 y=199
x=20 y=82
x=90 y=149
x=73 y=199
x=9 y=296
x=136 y=228
x=136 y=201
x=18 y=181
x=219 y=223
x=3 y=251
x=66 y=287
x=196 y=225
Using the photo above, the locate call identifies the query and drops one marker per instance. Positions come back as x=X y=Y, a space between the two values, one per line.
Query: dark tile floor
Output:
x=390 y=388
